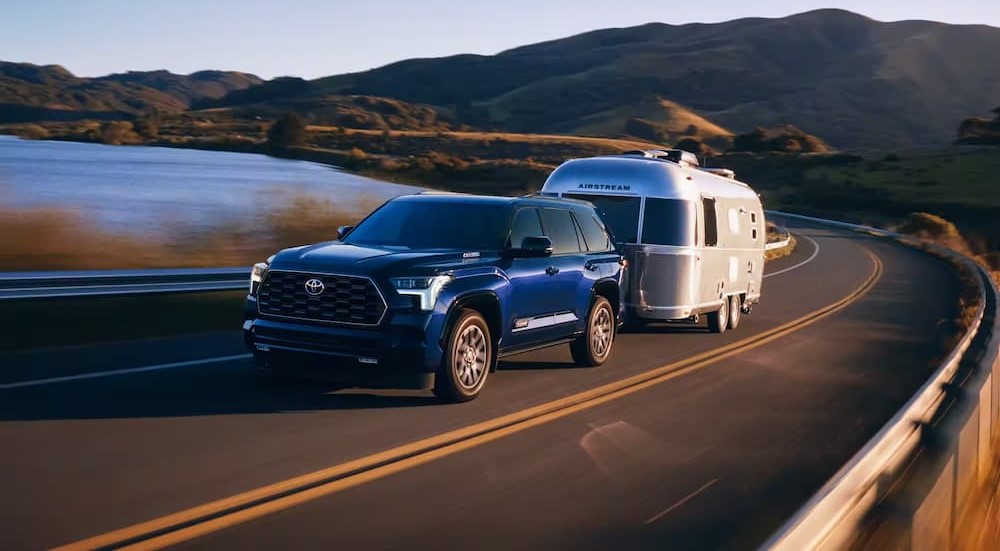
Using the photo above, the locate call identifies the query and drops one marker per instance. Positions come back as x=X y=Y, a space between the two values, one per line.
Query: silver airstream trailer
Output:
x=694 y=238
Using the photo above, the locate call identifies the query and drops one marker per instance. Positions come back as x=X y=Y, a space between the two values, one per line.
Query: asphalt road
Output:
x=713 y=458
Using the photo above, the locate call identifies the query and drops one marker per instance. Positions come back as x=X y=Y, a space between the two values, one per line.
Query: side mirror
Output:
x=534 y=246
x=342 y=231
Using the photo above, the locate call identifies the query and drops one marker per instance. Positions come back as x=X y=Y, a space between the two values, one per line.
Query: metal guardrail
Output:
x=778 y=244
x=21 y=285
x=833 y=516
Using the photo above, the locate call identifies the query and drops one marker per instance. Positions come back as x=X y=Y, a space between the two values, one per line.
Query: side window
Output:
x=711 y=223
x=594 y=233
x=526 y=224
x=560 y=229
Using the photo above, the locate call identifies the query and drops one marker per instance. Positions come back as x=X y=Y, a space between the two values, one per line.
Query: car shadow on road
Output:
x=514 y=365
x=234 y=390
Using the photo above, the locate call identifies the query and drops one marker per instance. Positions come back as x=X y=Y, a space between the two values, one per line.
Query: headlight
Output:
x=427 y=288
x=257 y=275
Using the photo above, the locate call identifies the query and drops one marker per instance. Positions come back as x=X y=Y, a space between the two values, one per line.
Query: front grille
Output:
x=345 y=299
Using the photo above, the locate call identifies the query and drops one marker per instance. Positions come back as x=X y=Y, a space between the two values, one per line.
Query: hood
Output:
x=343 y=258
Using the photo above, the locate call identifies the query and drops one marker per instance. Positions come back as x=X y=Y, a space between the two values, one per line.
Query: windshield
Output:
x=621 y=214
x=434 y=225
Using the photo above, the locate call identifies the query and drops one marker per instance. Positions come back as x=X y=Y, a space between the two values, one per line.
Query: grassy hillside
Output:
x=882 y=188
x=38 y=93
x=851 y=80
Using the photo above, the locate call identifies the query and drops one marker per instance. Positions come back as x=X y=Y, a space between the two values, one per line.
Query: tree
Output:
x=117 y=133
x=288 y=131
x=147 y=126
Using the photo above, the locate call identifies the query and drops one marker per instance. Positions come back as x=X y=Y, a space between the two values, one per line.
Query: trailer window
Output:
x=711 y=223
x=667 y=222
x=621 y=214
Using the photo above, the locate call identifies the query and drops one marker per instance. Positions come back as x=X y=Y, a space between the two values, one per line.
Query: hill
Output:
x=853 y=81
x=31 y=92
x=977 y=130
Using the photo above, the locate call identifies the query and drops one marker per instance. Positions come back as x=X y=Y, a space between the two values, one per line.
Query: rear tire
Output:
x=719 y=320
x=467 y=359
x=593 y=347
x=735 y=311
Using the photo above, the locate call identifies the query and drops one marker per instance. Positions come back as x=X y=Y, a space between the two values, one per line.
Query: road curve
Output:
x=713 y=457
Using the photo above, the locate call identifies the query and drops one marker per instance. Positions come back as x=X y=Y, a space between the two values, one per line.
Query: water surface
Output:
x=140 y=189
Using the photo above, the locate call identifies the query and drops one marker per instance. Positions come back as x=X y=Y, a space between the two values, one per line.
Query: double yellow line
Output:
x=241 y=508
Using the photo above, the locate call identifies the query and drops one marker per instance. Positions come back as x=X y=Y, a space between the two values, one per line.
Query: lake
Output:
x=139 y=190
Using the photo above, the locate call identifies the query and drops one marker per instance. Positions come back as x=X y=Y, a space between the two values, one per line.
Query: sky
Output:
x=313 y=38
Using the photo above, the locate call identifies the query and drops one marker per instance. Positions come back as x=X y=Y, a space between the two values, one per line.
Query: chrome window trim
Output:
x=385 y=305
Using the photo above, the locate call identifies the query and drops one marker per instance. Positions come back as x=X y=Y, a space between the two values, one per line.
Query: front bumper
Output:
x=404 y=343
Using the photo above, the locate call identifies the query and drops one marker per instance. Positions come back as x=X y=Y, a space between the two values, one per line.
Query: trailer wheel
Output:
x=719 y=320
x=735 y=311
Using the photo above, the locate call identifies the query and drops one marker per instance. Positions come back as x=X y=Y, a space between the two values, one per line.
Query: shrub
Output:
x=695 y=146
x=934 y=228
x=287 y=131
x=785 y=139
x=147 y=127
x=117 y=133
x=30 y=132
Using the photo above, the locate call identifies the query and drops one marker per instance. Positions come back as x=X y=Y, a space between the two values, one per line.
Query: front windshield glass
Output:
x=621 y=214
x=426 y=224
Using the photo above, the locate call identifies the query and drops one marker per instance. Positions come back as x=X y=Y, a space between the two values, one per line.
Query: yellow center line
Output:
x=210 y=517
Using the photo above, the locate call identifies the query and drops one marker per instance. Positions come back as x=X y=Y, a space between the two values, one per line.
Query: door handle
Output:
x=590 y=266
x=552 y=270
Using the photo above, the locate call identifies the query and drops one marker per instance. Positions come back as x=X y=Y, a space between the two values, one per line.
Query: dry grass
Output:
x=774 y=234
x=511 y=137
x=64 y=239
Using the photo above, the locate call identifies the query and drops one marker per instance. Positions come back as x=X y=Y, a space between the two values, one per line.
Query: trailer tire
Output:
x=719 y=320
x=735 y=311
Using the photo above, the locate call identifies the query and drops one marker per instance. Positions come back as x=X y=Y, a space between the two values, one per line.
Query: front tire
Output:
x=719 y=320
x=467 y=360
x=594 y=346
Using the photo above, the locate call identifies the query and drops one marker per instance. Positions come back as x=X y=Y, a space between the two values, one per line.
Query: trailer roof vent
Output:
x=724 y=172
x=679 y=156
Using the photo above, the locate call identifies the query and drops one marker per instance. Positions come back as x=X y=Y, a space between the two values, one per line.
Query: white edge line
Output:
x=800 y=264
x=686 y=499
x=100 y=374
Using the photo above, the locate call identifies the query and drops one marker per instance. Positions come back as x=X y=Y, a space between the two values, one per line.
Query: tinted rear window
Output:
x=668 y=222
x=621 y=214
x=526 y=224
x=561 y=230
x=593 y=233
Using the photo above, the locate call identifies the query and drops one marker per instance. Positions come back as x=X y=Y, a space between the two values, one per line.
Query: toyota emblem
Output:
x=315 y=287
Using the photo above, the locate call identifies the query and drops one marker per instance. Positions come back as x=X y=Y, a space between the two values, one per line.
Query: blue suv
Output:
x=439 y=287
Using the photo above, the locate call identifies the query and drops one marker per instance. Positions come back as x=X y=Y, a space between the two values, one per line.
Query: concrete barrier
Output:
x=911 y=484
